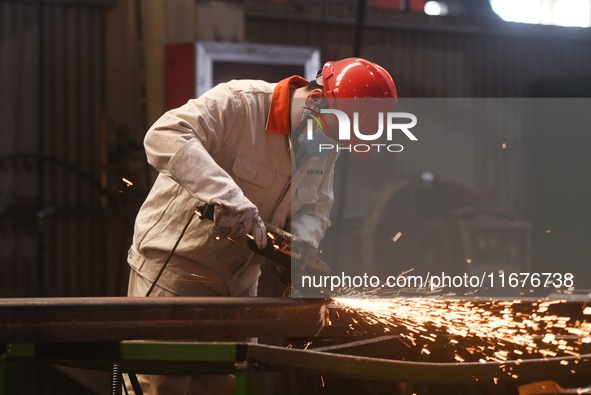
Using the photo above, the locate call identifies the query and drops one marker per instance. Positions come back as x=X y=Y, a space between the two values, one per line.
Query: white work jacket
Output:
x=213 y=145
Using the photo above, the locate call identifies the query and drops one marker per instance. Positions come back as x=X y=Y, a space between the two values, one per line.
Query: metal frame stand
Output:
x=249 y=361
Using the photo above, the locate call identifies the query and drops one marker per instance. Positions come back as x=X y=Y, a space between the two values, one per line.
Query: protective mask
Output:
x=312 y=145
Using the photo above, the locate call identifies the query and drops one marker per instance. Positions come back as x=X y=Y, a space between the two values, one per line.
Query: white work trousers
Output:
x=221 y=384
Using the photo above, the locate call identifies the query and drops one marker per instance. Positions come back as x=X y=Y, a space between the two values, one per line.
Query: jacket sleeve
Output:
x=312 y=220
x=182 y=142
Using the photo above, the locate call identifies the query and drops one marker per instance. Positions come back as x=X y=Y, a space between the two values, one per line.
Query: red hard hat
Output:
x=356 y=78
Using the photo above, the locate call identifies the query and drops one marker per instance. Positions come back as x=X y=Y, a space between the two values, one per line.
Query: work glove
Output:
x=235 y=216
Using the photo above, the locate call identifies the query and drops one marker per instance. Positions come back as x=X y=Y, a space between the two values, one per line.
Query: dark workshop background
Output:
x=82 y=80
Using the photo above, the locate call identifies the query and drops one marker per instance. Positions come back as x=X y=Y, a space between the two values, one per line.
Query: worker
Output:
x=237 y=148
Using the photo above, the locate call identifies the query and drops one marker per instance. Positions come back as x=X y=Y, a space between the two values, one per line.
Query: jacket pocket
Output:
x=254 y=173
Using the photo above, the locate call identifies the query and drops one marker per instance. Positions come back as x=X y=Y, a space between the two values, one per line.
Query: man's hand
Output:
x=235 y=216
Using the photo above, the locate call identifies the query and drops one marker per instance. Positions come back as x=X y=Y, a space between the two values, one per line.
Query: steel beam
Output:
x=159 y=318
x=203 y=318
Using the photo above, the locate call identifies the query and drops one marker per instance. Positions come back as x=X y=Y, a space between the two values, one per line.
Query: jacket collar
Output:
x=279 y=120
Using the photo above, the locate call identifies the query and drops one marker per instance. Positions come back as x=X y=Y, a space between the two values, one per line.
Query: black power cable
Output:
x=176 y=244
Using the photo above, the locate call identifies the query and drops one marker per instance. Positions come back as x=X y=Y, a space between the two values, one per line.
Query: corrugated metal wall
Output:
x=55 y=220
x=433 y=56
x=53 y=215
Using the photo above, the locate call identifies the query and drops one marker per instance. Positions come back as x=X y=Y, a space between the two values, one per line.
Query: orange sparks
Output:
x=484 y=330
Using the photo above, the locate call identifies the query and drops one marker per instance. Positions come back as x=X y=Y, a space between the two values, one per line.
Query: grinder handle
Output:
x=206 y=211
